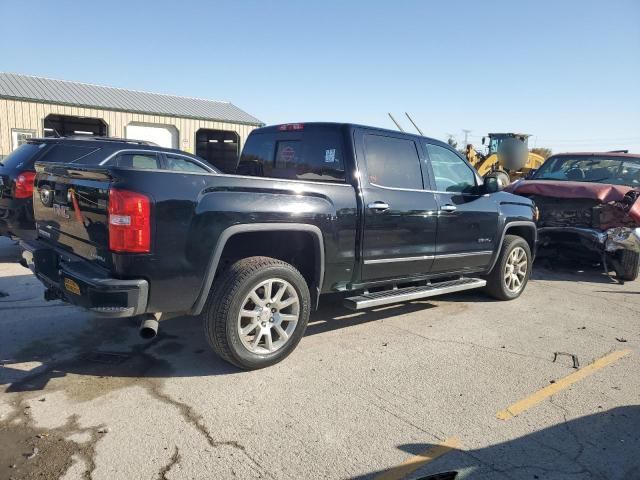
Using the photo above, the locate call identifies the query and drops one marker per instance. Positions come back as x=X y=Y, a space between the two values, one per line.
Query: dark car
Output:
x=589 y=207
x=17 y=171
x=379 y=216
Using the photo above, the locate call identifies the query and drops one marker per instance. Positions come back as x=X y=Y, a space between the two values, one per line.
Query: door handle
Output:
x=380 y=206
x=448 y=208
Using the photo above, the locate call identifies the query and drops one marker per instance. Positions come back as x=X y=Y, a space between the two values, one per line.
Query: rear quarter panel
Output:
x=192 y=210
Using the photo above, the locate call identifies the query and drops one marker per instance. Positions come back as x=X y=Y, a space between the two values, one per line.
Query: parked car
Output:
x=17 y=172
x=315 y=208
x=589 y=207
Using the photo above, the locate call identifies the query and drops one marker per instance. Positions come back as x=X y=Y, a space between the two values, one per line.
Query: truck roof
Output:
x=303 y=125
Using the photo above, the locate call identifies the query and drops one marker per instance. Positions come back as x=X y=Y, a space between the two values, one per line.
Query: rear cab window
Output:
x=314 y=153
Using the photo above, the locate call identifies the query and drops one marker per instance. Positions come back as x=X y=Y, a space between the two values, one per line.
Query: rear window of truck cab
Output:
x=313 y=154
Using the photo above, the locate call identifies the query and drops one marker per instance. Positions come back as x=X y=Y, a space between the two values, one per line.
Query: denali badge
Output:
x=61 y=210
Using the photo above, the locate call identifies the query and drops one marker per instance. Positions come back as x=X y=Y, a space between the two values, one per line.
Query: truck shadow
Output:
x=601 y=445
x=44 y=341
x=562 y=269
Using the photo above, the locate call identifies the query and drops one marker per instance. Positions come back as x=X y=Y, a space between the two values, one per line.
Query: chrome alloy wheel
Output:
x=268 y=316
x=515 y=271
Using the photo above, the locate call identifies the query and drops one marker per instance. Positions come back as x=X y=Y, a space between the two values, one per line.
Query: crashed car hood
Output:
x=602 y=192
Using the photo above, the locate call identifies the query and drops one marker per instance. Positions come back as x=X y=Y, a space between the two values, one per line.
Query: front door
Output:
x=399 y=234
x=467 y=220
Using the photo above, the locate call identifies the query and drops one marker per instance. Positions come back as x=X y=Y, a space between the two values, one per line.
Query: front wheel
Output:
x=257 y=312
x=628 y=265
x=512 y=270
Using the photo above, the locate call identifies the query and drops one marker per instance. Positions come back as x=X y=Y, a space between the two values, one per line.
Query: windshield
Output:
x=595 y=169
x=22 y=154
x=495 y=144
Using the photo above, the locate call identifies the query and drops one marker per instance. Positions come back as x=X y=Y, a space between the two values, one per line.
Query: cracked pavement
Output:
x=363 y=391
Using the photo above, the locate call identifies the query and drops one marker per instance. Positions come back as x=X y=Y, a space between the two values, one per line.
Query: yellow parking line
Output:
x=415 y=462
x=528 y=402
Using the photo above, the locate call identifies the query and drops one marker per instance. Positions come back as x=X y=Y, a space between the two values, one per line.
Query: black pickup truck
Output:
x=314 y=208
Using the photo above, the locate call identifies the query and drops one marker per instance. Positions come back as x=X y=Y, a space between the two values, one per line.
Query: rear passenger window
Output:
x=392 y=162
x=144 y=161
x=181 y=164
x=311 y=155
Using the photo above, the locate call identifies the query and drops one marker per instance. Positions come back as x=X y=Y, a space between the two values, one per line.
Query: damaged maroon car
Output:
x=589 y=207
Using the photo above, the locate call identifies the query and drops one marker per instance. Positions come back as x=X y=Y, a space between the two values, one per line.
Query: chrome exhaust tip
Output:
x=149 y=328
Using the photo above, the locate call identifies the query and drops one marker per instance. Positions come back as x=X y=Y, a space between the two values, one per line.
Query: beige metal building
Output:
x=37 y=107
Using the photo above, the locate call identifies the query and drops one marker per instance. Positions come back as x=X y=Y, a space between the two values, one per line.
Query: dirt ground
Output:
x=461 y=383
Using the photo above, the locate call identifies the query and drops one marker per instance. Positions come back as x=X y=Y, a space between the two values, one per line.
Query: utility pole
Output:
x=466 y=137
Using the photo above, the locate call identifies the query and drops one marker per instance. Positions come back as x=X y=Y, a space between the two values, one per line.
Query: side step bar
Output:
x=368 y=300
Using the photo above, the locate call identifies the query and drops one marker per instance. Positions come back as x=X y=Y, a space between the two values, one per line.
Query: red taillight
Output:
x=287 y=127
x=24 y=185
x=129 y=221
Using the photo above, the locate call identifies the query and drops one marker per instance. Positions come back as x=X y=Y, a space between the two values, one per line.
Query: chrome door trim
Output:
x=465 y=254
x=398 y=259
x=427 y=257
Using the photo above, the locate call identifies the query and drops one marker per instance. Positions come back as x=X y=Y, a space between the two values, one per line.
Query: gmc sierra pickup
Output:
x=314 y=208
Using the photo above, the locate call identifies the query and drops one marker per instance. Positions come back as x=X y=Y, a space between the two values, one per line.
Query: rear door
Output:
x=399 y=231
x=467 y=219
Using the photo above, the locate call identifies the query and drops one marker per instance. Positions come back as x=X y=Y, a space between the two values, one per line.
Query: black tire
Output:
x=221 y=311
x=496 y=283
x=628 y=265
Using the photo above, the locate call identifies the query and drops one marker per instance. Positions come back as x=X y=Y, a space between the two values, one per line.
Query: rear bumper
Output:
x=76 y=281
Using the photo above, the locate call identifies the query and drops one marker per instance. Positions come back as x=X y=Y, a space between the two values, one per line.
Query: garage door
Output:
x=163 y=135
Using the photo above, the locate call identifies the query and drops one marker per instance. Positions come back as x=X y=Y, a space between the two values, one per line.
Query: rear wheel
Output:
x=512 y=270
x=257 y=312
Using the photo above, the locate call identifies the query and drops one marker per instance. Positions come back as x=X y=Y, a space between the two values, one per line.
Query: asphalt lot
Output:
x=461 y=383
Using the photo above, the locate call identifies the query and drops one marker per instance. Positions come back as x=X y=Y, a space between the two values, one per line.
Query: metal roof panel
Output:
x=26 y=87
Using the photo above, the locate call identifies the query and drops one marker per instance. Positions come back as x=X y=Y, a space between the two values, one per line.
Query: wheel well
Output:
x=528 y=233
x=298 y=248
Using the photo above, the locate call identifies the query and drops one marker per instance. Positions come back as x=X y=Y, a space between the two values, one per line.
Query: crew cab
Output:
x=312 y=209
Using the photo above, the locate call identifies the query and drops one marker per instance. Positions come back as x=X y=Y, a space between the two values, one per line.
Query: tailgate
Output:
x=71 y=209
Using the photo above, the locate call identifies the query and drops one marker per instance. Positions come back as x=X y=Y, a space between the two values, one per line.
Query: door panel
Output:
x=399 y=223
x=467 y=220
x=467 y=235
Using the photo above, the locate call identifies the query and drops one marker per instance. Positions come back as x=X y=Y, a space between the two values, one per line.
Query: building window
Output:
x=67 y=125
x=220 y=148
x=18 y=137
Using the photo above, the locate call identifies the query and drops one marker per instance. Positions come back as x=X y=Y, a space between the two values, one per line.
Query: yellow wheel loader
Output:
x=507 y=153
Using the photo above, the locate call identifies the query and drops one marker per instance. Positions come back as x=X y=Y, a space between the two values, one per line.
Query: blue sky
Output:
x=567 y=72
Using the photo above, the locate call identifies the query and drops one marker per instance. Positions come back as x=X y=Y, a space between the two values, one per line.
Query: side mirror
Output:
x=531 y=173
x=493 y=183
x=483 y=139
